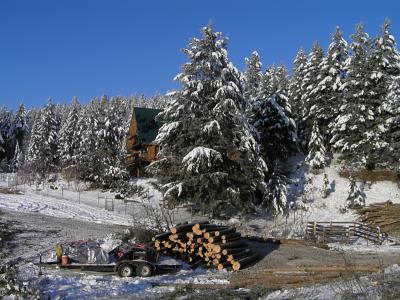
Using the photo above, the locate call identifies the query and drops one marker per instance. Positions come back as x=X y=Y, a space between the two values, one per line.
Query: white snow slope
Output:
x=32 y=203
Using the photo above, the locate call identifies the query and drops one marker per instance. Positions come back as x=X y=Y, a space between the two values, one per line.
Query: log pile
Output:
x=386 y=215
x=206 y=244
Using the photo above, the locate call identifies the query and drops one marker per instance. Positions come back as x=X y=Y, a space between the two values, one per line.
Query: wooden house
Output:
x=140 y=144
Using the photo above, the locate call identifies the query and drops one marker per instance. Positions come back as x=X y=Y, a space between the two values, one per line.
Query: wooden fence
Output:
x=344 y=232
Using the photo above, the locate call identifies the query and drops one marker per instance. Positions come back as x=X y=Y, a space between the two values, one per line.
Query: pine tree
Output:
x=43 y=149
x=317 y=156
x=391 y=107
x=86 y=158
x=277 y=191
x=20 y=126
x=2 y=150
x=326 y=187
x=310 y=88
x=385 y=66
x=356 y=113
x=17 y=160
x=113 y=141
x=33 y=154
x=277 y=131
x=208 y=155
x=272 y=118
x=252 y=77
x=329 y=94
x=6 y=135
x=296 y=88
x=355 y=199
x=69 y=141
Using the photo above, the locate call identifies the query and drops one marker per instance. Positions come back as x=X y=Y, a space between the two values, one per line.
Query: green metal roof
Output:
x=147 y=125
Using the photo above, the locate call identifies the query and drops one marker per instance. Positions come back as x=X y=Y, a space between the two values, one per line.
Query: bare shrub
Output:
x=152 y=214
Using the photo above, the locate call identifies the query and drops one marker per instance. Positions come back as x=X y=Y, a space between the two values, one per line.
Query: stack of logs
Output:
x=386 y=215
x=206 y=244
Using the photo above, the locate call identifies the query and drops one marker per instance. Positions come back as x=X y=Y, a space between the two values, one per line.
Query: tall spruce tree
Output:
x=391 y=108
x=20 y=126
x=356 y=114
x=112 y=141
x=310 y=88
x=86 y=158
x=385 y=67
x=252 y=77
x=208 y=155
x=296 y=88
x=6 y=135
x=17 y=160
x=32 y=160
x=69 y=142
x=2 y=144
x=272 y=118
x=43 y=150
x=329 y=94
x=317 y=155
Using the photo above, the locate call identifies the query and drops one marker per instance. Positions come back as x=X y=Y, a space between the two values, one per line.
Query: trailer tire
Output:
x=125 y=270
x=144 y=270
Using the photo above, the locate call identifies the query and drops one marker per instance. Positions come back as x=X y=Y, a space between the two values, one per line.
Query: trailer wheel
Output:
x=144 y=270
x=125 y=270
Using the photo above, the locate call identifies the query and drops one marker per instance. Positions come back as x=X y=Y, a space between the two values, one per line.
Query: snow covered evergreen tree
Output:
x=252 y=77
x=69 y=141
x=112 y=140
x=17 y=160
x=32 y=159
x=310 y=87
x=296 y=87
x=20 y=126
x=385 y=65
x=86 y=158
x=326 y=187
x=329 y=93
x=272 y=118
x=355 y=199
x=277 y=191
x=2 y=144
x=317 y=156
x=43 y=149
x=391 y=108
x=6 y=135
x=208 y=155
x=277 y=131
x=356 y=114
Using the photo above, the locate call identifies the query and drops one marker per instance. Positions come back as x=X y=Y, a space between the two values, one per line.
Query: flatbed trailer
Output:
x=124 y=268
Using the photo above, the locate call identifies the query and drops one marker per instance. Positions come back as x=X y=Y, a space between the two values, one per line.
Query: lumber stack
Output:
x=386 y=215
x=206 y=244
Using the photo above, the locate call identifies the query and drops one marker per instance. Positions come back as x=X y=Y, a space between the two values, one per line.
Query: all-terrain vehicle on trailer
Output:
x=128 y=259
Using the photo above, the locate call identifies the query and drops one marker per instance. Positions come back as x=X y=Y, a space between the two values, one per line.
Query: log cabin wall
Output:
x=140 y=143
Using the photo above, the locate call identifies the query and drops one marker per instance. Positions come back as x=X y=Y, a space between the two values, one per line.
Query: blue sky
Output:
x=86 y=48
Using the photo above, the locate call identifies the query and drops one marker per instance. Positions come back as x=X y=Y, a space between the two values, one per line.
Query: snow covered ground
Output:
x=71 y=200
x=307 y=188
x=33 y=203
x=64 y=284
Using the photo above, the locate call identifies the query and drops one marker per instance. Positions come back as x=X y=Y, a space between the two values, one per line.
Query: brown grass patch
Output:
x=372 y=176
x=8 y=191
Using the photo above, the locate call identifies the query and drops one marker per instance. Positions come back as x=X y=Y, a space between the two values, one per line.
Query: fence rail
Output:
x=344 y=232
